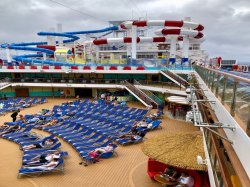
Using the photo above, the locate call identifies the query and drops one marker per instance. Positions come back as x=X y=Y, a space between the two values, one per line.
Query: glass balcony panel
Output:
x=220 y=86
x=229 y=93
x=242 y=106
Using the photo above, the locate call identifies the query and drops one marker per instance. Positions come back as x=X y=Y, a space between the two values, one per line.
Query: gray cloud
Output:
x=226 y=22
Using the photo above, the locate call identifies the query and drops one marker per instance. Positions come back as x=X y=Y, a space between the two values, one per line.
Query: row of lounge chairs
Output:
x=34 y=169
x=25 y=138
x=93 y=125
x=92 y=128
x=12 y=104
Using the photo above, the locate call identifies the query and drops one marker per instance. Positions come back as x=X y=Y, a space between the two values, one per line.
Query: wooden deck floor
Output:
x=126 y=170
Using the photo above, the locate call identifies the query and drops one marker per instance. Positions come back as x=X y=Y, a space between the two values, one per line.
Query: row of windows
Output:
x=228 y=62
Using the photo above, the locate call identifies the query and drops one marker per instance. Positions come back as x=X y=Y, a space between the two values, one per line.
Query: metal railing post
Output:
x=205 y=76
x=209 y=79
x=233 y=103
x=217 y=85
x=224 y=90
x=248 y=122
x=212 y=85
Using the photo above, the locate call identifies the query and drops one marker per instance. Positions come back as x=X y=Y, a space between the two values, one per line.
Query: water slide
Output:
x=26 y=46
x=128 y=40
x=186 y=31
x=195 y=33
x=142 y=40
x=163 y=23
x=180 y=32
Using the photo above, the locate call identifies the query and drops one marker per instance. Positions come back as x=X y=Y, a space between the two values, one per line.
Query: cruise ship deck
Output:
x=129 y=168
x=163 y=71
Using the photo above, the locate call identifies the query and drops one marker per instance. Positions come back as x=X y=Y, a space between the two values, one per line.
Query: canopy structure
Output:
x=179 y=150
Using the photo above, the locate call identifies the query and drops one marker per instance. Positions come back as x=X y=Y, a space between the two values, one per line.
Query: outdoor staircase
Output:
x=149 y=94
x=140 y=95
x=175 y=78
x=4 y=83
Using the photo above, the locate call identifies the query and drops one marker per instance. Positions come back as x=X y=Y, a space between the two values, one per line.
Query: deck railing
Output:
x=233 y=92
x=177 y=78
x=75 y=80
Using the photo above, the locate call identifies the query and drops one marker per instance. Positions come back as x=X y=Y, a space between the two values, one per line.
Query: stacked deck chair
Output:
x=35 y=169
x=55 y=145
x=30 y=166
x=26 y=137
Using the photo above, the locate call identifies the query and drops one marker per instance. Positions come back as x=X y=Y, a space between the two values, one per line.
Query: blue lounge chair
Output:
x=36 y=172
x=43 y=100
x=88 y=160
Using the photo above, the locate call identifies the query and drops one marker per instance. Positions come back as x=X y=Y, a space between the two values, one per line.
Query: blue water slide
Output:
x=113 y=28
x=27 y=58
x=71 y=35
x=22 y=46
x=73 y=38
x=47 y=51
x=27 y=43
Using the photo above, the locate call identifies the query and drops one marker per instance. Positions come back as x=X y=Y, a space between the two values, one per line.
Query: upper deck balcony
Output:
x=116 y=64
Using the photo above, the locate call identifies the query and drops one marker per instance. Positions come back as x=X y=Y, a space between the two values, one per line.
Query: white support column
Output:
x=74 y=52
x=97 y=53
x=185 y=50
x=91 y=53
x=8 y=56
x=51 y=40
x=88 y=50
x=84 y=53
x=128 y=44
x=115 y=34
x=134 y=41
x=172 y=56
x=111 y=57
x=128 y=50
x=44 y=56
x=59 y=39
x=185 y=46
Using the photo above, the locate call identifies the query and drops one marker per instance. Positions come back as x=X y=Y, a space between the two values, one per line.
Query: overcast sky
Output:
x=227 y=22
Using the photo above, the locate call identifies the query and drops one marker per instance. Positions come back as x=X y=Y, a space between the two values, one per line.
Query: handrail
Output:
x=177 y=78
x=136 y=90
x=149 y=93
x=69 y=80
x=235 y=77
x=82 y=80
x=141 y=94
x=210 y=116
x=4 y=82
x=161 y=84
